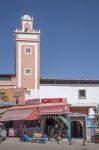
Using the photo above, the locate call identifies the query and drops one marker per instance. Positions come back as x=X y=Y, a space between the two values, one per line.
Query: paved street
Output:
x=15 y=144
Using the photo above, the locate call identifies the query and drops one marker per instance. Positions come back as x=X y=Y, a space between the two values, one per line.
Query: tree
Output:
x=4 y=96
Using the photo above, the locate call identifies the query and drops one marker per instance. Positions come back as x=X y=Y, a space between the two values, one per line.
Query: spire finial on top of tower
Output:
x=27 y=17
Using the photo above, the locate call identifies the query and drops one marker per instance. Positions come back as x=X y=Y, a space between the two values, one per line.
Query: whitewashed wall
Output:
x=34 y=94
x=71 y=93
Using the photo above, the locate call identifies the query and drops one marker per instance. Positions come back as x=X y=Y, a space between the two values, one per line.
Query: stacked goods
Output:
x=37 y=135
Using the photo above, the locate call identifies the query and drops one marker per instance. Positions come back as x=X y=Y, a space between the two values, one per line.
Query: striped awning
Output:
x=20 y=114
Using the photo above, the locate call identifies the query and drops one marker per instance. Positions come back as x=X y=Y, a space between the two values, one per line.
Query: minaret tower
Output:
x=27 y=42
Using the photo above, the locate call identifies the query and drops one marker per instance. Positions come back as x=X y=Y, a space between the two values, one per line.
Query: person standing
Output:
x=68 y=135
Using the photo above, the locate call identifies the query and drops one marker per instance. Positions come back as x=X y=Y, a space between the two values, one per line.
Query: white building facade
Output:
x=77 y=92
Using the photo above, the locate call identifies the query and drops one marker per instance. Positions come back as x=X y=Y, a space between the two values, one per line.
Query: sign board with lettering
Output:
x=32 y=101
x=7 y=103
x=53 y=100
x=60 y=109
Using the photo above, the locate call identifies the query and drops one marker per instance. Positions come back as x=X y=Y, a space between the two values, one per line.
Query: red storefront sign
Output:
x=53 y=100
x=54 y=109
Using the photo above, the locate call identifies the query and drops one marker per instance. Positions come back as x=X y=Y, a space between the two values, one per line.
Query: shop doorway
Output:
x=50 y=124
x=76 y=129
x=54 y=128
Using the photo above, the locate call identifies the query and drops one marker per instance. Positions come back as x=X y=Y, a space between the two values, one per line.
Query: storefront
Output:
x=42 y=118
x=78 y=123
x=49 y=111
x=18 y=118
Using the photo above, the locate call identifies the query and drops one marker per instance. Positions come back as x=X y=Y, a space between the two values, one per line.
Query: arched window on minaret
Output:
x=27 y=23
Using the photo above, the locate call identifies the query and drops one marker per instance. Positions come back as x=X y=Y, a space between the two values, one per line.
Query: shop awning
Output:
x=33 y=115
x=20 y=114
x=2 y=111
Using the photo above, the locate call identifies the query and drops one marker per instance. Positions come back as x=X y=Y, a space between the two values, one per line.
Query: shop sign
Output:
x=79 y=118
x=53 y=100
x=32 y=101
x=53 y=110
x=7 y=103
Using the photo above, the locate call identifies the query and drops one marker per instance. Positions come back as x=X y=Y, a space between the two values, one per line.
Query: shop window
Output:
x=81 y=94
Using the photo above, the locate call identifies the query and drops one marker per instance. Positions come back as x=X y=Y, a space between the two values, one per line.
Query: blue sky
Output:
x=69 y=36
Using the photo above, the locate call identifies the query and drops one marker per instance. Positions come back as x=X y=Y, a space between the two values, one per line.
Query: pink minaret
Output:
x=27 y=42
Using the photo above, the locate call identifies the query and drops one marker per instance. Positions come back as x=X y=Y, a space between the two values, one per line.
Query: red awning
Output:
x=20 y=114
x=33 y=115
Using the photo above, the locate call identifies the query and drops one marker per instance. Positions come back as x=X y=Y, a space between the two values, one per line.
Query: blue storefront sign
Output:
x=9 y=103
